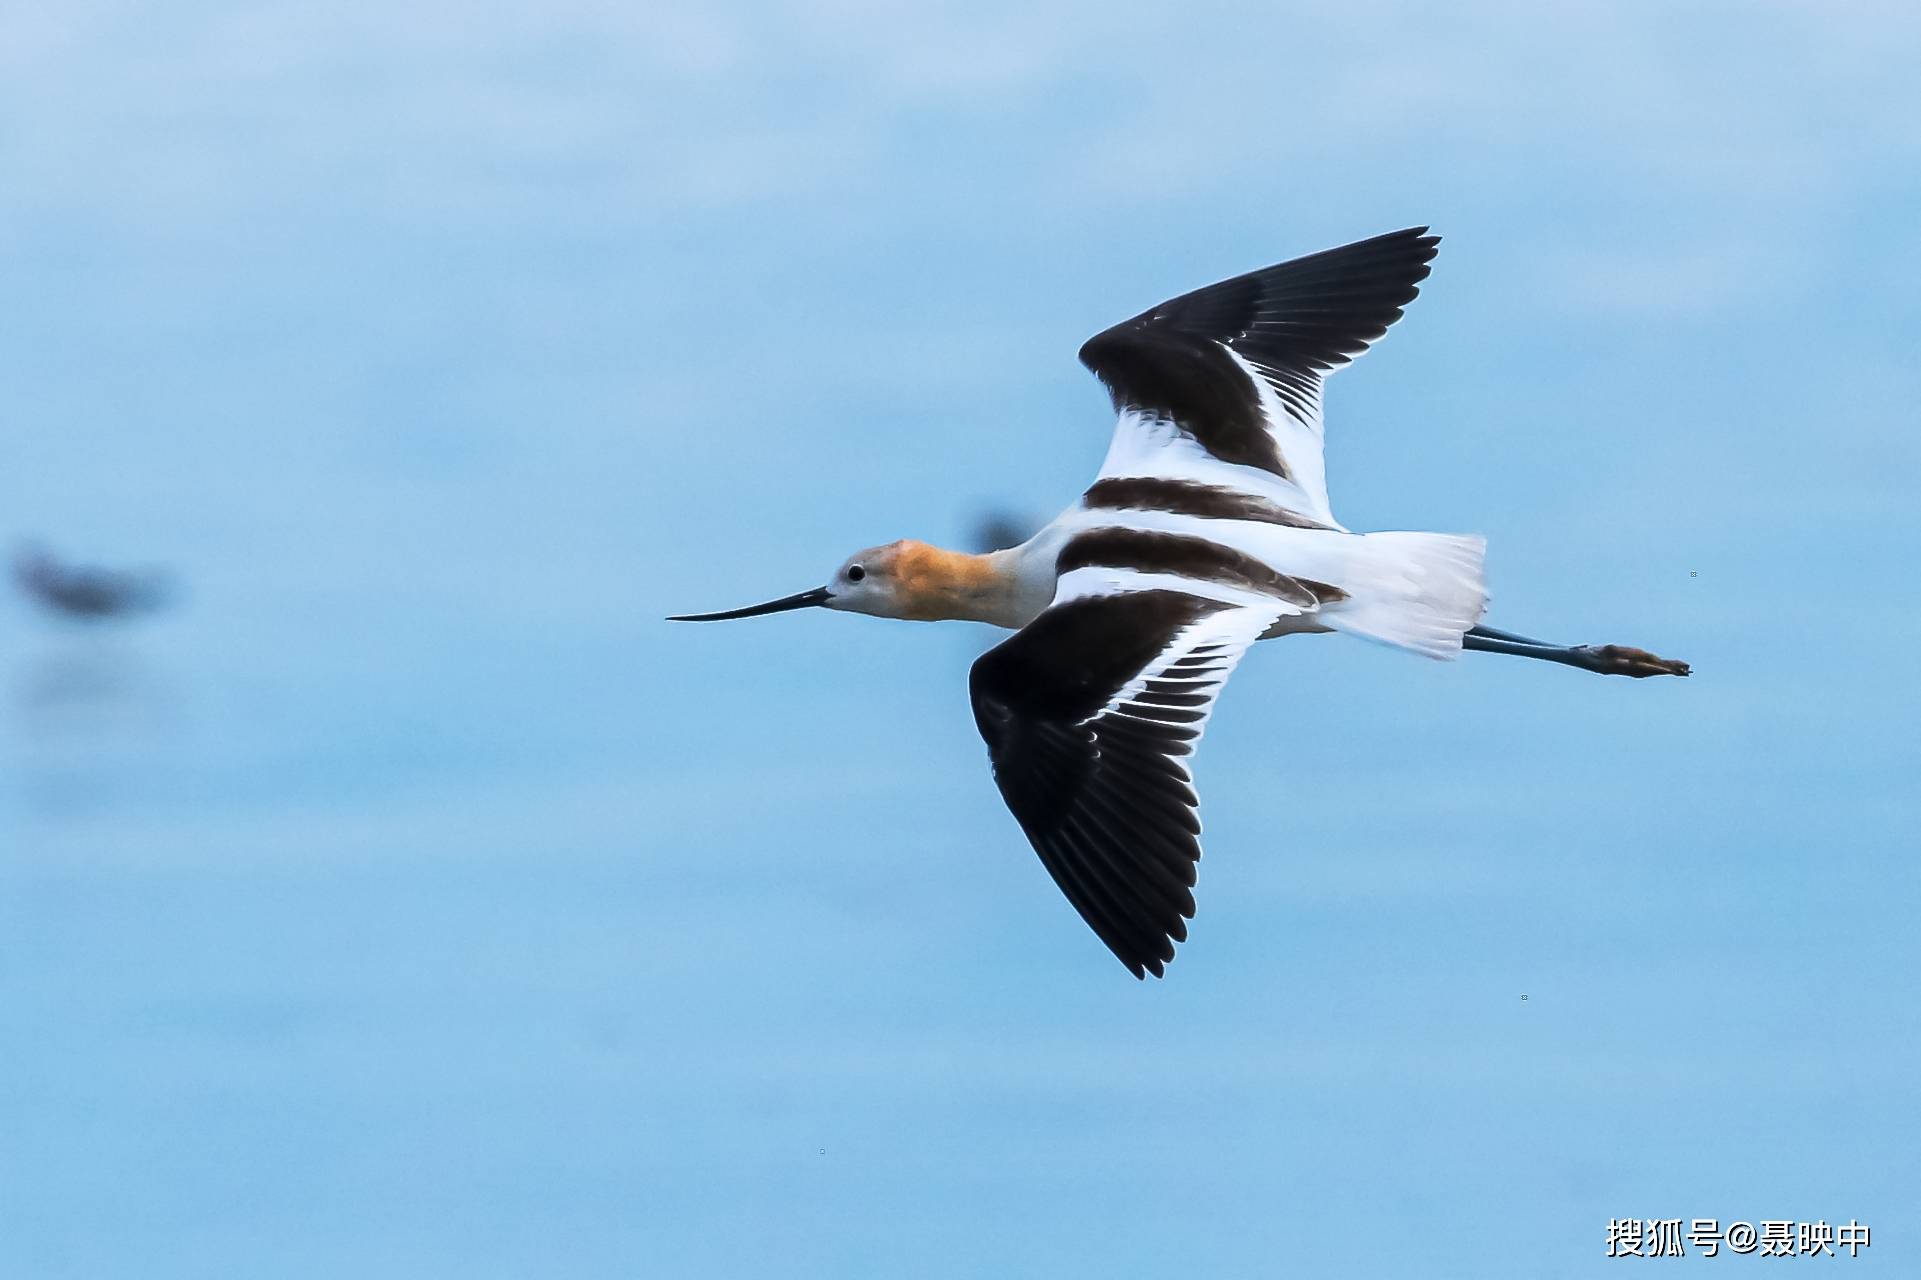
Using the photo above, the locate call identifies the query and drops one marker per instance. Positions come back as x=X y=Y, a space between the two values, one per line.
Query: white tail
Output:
x=1417 y=591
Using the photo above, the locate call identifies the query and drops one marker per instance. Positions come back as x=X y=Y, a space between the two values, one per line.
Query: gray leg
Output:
x=1606 y=659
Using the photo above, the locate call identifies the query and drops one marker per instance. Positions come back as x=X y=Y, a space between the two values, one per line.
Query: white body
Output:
x=1417 y=591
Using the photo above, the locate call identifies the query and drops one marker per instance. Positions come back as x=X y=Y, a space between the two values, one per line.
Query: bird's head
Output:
x=904 y=579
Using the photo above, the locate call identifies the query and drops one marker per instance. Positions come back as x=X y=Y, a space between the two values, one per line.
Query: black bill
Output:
x=805 y=600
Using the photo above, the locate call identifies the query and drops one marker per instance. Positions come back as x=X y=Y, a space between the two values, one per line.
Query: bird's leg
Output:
x=1606 y=659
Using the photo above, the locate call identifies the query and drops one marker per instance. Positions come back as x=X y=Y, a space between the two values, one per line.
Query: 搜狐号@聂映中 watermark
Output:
x=1664 y=1238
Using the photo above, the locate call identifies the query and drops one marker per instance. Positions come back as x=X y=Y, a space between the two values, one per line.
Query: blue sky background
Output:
x=413 y=902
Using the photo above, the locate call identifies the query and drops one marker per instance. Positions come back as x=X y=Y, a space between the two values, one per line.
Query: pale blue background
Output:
x=413 y=902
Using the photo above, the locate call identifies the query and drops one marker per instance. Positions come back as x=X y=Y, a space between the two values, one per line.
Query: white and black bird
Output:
x=1208 y=528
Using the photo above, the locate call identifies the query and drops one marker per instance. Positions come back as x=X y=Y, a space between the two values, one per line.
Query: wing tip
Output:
x=1425 y=244
x=1142 y=963
x=1423 y=235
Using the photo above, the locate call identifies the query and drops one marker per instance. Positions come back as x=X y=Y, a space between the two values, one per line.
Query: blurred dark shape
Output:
x=82 y=679
x=83 y=591
x=997 y=530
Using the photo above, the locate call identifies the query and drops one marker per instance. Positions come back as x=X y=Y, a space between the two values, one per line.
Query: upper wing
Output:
x=1237 y=367
x=1088 y=713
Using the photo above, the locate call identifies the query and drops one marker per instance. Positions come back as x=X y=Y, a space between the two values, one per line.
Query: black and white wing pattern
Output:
x=1089 y=713
x=1234 y=371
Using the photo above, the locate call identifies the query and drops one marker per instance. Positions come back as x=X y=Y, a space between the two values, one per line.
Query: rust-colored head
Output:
x=904 y=579
x=909 y=579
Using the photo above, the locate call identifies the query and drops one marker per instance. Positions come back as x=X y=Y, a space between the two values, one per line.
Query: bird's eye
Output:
x=855 y=573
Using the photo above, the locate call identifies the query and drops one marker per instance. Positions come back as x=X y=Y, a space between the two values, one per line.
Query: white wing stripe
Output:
x=1102 y=580
x=1231 y=631
x=1153 y=444
x=1299 y=439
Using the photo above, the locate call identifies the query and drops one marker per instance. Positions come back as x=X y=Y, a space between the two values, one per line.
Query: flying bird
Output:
x=83 y=591
x=1207 y=529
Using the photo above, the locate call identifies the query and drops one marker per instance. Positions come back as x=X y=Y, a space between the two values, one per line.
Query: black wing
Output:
x=1293 y=323
x=1088 y=713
